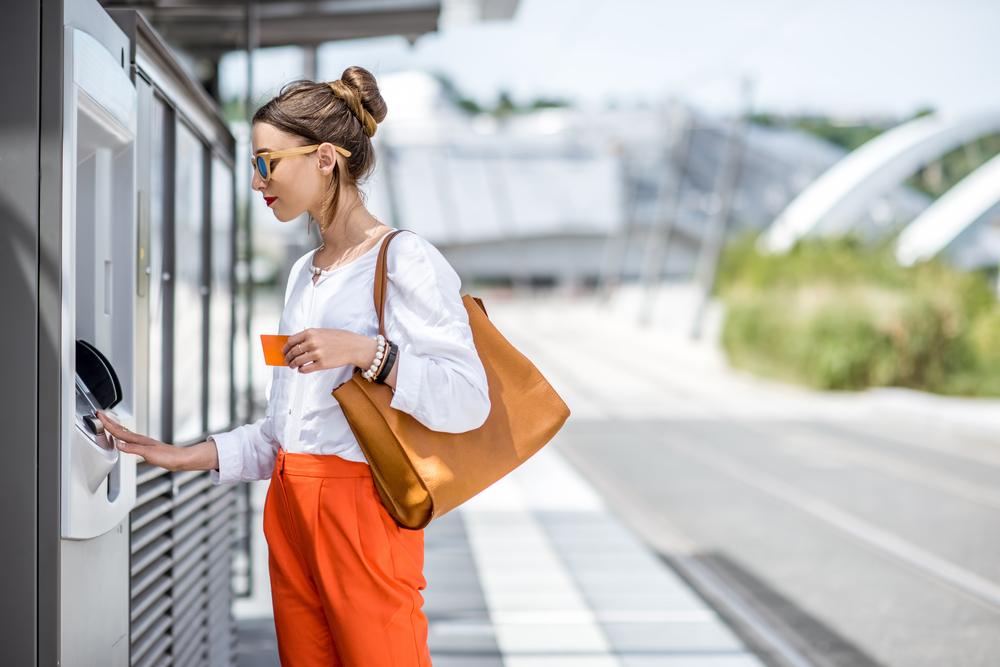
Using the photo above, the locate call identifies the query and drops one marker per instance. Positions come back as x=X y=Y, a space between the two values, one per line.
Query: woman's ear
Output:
x=327 y=157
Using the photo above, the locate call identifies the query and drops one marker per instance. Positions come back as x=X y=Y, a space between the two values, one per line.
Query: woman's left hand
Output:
x=319 y=349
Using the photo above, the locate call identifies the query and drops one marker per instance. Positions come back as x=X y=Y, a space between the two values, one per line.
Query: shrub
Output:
x=840 y=315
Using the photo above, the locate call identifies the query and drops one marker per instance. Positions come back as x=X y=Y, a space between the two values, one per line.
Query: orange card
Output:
x=272 y=344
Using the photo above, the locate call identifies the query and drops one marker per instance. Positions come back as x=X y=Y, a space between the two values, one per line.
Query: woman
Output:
x=345 y=578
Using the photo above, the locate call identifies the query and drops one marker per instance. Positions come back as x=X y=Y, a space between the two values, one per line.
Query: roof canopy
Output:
x=209 y=28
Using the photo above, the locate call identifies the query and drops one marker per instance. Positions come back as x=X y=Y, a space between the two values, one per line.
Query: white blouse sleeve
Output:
x=440 y=379
x=247 y=452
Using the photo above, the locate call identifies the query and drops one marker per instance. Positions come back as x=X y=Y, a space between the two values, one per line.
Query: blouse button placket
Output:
x=295 y=408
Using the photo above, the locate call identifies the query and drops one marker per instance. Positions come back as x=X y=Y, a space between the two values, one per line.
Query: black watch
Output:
x=387 y=367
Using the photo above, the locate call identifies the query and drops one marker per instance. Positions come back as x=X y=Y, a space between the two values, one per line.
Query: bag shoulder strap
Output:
x=382 y=278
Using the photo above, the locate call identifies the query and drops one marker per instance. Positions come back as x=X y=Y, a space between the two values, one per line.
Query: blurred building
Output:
x=535 y=197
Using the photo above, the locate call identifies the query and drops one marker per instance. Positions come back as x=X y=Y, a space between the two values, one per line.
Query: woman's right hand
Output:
x=153 y=451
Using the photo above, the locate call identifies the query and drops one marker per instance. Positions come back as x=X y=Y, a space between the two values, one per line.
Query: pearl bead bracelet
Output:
x=379 y=354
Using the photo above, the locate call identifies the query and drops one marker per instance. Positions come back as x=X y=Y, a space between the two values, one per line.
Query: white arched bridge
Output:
x=835 y=201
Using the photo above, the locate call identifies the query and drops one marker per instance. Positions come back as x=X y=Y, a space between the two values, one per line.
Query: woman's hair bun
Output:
x=364 y=83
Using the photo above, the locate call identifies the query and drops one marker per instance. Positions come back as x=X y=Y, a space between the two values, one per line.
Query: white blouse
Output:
x=440 y=379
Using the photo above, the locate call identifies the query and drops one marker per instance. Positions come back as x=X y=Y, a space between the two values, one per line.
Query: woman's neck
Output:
x=356 y=228
x=364 y=238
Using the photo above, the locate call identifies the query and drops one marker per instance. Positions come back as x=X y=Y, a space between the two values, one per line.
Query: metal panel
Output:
x=151 y=543
x=31 y=304
x=183 y=530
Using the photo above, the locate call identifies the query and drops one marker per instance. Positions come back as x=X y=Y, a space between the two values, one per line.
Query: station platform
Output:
x=536 y=571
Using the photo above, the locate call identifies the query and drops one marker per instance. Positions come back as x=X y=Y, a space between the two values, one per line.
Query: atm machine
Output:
x=98 y=337
x=82 y=585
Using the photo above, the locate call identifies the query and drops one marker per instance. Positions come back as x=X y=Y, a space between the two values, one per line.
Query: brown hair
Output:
x=345 y=113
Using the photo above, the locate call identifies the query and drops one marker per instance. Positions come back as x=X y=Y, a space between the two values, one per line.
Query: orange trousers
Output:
x=345 y=577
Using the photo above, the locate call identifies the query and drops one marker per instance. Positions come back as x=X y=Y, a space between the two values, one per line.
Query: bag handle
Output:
x=382 y=278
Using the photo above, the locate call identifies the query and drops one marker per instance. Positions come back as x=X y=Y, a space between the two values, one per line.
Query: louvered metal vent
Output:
x=183 y=530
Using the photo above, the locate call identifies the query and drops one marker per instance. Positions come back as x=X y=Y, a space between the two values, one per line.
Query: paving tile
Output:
x=561 y=661
x=550 y=637
x=466 y=660
x=674 y=636
x=740 y=659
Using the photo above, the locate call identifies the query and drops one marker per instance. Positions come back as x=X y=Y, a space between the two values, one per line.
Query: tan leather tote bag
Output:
x=421 y=474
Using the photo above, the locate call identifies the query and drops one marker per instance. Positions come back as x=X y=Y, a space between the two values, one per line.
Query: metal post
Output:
x=390 y=153
x=708 y=259
x=657 y=250
x=313 y=237
x=616 y=245
x=309 y=59
x=492 y=165
x=252 y=38
x=443 y=186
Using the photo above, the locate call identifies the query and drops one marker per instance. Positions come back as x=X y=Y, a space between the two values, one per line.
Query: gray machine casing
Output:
x=98 y=286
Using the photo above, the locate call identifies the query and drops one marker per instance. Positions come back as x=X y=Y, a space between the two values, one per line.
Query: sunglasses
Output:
x=262 y=161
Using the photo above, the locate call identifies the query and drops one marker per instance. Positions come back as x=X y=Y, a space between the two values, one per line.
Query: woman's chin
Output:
x=283 y=217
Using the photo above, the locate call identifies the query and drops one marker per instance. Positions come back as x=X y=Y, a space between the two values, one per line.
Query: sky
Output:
x=849 y=57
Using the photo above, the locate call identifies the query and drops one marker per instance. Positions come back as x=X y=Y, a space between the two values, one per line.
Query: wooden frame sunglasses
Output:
x=262 y=161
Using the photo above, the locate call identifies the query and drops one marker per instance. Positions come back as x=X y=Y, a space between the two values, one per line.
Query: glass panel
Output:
x=188 y=328
x=156 y=286
x=220 y=347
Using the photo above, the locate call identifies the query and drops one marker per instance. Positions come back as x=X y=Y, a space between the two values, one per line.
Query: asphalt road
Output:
x=857 y=542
